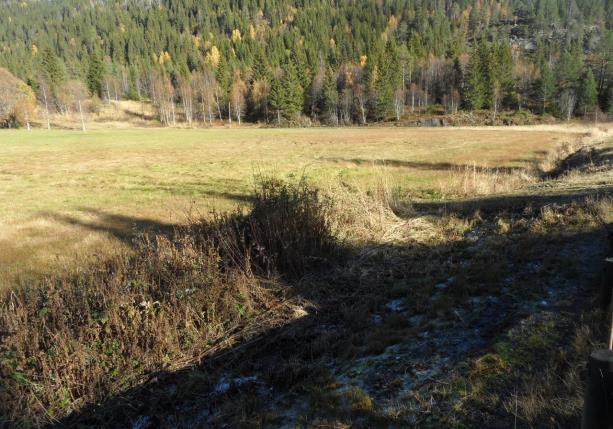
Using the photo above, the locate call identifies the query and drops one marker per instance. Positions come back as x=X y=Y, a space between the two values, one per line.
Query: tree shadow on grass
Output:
x=584 y=159
x=121 y=227
x=246 y=377
x=125 y=228
x=428 y=166
x=195 y=190
x=512 y=202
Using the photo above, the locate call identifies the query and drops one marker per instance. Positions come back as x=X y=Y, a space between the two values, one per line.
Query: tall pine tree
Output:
x=330 y=97
x=386 y=83
x=477 y=91
x=292 y=93
x=51 y=69
x=545 y=87
x=588 y=94
x=95 y=74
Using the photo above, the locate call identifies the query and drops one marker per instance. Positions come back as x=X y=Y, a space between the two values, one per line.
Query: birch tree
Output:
x=238 y=90
x=187 y=97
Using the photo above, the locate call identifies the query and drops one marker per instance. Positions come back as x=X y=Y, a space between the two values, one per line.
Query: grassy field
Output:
x=66 y=195
x=423 y=278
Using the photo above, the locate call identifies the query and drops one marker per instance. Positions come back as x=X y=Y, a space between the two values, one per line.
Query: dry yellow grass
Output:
x=175 y=300
x=66 y=195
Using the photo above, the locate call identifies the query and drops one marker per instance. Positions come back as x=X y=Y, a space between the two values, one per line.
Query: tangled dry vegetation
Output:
x=459 y=320
x=73 y=341
x=473 y=180
x=80 y=339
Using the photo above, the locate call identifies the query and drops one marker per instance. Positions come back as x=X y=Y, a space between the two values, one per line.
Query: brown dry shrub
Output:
x=368 y=215
x=76 y=340
x=17 y=101
x=287 y=230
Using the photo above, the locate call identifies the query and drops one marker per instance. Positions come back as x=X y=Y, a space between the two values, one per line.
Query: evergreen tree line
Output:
x=351 y=62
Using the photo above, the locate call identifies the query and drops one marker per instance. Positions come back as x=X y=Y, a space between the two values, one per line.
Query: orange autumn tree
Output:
x=17 y=101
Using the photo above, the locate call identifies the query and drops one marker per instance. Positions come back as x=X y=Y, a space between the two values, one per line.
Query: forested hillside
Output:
x=330 y=61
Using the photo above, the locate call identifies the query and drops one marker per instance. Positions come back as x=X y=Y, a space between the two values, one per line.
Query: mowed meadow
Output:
x=69 y=196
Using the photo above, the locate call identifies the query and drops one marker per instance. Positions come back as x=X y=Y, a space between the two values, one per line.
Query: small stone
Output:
x=222 y=386
x=396 y=305
x=141 y=422
x=416 y=320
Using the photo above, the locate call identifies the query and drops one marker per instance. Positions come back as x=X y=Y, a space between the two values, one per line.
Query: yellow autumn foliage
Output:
x=17 y=100
x=213 y=57
x=164 y=58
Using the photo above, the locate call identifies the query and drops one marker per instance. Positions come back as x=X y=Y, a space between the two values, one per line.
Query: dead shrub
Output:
x=286 y=231
x=368 y=215
x=75 y=340
x=289 y=226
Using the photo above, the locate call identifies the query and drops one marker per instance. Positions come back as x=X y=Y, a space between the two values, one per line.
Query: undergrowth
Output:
x=72 y=341
x=79 y=339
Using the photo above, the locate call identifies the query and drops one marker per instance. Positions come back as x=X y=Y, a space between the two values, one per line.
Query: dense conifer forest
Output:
x=330 y=61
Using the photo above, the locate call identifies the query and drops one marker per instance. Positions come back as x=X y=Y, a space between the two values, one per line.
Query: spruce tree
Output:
x=259 y=68
x=95 y=74
x=588 y=94
x=222 y=74
x=504 y=64
x=302 y=68
x=330 y=96
x=569 y=70
x=568 y=74
x=51 y=69
x=384 y=86
x=477 y=91
x=458 y=78
x=276 y=97
x=133 y=89
x=292 y=91
x=545 y=87
x=259 y=86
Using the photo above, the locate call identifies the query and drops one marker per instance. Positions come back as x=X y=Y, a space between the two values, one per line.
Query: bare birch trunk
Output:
x=81 y=113
x=46 y=108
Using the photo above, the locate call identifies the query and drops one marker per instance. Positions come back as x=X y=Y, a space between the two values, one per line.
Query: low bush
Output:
x=76 y=340
x=287 y=230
